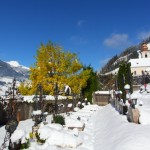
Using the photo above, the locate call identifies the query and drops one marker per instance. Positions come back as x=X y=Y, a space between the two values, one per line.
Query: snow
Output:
x=59 y=138
x=18 y=134
x=76 y=109
x=7 y=83
x=148 y=45
x=115 y=71
x=28 y=99
x=70 y=122
x=69 y=105
x=37 y=112
x=16 y=64
x=127 y=87
x=144 y=62
x=115 y=133
x=6 y=79
x=102 y=92
x=55 y=126
x=50 y=97
x=105 y=129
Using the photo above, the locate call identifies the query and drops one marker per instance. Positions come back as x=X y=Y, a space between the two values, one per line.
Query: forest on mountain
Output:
x=125 y=56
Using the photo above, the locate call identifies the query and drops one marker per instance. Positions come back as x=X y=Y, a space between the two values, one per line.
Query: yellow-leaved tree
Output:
x=55 y=65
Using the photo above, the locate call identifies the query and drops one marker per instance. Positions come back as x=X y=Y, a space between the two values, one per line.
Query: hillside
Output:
x=9 y=71
x=113 y=63
x=128 y=53
x=107 y=74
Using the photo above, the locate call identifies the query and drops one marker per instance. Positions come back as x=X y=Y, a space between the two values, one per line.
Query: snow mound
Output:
x=17 y=135
x=59 y=138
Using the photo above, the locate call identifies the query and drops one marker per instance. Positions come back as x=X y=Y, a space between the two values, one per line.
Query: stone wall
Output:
x=101 y=99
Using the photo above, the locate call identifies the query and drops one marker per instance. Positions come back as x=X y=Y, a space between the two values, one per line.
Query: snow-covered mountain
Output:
x=14 y=70
x=9 y=71
x=19 y=68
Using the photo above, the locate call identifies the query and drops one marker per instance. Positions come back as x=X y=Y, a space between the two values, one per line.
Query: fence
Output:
x=25 y=109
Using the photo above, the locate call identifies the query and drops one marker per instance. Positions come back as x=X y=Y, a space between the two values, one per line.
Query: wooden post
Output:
x=18 y=115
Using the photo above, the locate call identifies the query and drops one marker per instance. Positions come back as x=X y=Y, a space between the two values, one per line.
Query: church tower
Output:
x=145 y=50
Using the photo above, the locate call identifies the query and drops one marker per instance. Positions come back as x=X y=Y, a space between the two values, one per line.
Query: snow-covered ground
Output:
x=105 y=129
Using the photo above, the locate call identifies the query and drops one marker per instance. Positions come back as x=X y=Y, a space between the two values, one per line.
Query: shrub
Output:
x=31 y=135
x=59 y=119
x=38 y=138
x=25 y=145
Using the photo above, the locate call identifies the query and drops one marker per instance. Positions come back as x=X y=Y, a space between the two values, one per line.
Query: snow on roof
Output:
x=29 y=98
x=143 y=62
x=148 y=45
x=102 y=92
x=50 y=97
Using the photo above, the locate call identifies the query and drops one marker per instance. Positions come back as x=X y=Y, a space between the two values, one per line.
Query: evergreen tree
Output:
x=129 y=77
x=121 y=79
x=124 y=77
x=92 y=84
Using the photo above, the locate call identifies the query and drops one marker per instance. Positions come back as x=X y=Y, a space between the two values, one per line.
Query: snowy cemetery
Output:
x=81 y=126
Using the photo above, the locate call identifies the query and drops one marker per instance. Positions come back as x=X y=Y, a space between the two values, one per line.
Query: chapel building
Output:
x=141 y=64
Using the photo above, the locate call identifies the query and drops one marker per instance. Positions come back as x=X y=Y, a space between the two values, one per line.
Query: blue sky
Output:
x=94 y=29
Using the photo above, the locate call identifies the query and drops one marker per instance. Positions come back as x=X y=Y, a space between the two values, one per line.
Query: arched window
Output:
x=134 y=72
x=145 y=55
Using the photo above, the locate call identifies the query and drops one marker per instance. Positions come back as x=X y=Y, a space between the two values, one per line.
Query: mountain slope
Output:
x=21 y=70
x=115 y=61
x=9 y=71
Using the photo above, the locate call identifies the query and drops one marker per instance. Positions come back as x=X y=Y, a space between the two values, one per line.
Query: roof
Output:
x=102 y=92
x=143 y=62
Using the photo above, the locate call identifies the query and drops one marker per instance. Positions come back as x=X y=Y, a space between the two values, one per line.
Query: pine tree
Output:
x=124 y=77
x=121 y=79
x=92 y=84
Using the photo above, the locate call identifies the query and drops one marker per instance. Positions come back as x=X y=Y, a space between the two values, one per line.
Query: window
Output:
x=134 y=72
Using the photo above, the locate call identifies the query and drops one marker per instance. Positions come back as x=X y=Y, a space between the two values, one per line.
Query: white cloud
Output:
x=143 y=35
x=117 y=40
x=80 y=23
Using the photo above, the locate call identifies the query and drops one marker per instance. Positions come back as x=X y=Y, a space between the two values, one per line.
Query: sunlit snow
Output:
x=105 y=129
